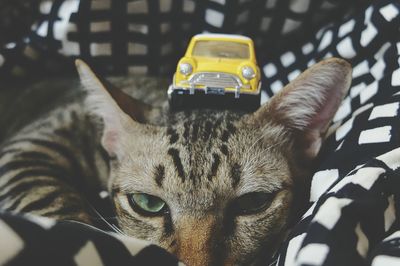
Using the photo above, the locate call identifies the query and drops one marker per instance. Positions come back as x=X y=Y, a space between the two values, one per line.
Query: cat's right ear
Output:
x=121 y=114
x=306 y=106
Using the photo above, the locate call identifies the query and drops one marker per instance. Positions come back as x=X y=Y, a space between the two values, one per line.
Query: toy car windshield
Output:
x=222 y=49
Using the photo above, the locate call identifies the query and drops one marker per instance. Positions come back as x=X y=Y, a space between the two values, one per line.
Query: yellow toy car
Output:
x=220 y=65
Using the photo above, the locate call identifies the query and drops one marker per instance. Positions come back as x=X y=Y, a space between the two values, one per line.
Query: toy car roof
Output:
x=221 y=36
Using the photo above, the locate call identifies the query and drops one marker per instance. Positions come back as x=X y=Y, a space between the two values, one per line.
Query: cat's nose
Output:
x=195 y=241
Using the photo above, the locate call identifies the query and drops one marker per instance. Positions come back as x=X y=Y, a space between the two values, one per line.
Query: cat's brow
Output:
x=224 y=149
x=159 y=174
x=210 y=132
x=214 y=166
x=230 y=130
x=236 y=172
x=207 y=130
x=173 y=135
x=174 y=153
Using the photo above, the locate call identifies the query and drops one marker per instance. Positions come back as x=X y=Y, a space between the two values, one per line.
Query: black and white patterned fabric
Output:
x=149 y=37
x=354 y=212
x=355 y=195
x=31 y=240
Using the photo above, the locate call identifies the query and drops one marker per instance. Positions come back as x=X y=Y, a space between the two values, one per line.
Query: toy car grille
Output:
x=216 y=80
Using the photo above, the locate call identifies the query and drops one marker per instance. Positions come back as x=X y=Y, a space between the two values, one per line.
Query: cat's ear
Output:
x=307 y=105
x=121 y=113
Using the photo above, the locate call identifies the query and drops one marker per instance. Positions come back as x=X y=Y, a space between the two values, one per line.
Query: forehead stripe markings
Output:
x=216 y=125
x=174 y=153
x=236 y=172
x=224 y=149
x=207 y=130
x=230 y=129
x=173 y=136
x=186 y=131
x=195 y=131
x=214 y=166
x=159 y=174
x=225 y=135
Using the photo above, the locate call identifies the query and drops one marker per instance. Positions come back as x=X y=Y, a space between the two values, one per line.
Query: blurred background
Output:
x=39 y=38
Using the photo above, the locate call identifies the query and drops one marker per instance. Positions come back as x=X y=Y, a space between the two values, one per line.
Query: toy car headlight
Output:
x=248 y=72
x=185 y=68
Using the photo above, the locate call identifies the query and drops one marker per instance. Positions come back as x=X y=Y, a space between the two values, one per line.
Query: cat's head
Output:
x=216 y=187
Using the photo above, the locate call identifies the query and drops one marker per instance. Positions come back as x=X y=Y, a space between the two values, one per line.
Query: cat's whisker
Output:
x=119 y=230
x=116 y=229
x=273 y=262
x=105 y=217
x=110 y=225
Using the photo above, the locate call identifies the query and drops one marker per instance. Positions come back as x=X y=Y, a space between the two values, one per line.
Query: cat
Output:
x=213 y=187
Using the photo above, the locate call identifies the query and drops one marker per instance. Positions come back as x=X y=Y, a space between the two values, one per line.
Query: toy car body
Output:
x=218 y=64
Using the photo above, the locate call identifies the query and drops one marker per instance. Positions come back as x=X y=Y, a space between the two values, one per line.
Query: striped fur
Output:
x=48 y=164
x=49 y=158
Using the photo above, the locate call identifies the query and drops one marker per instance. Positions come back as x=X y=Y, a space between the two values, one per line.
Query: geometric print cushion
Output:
x=354 y=222
x=352 y=213
x=366 y=39
x=355 y=191
x=149 y=36
x=33 y=240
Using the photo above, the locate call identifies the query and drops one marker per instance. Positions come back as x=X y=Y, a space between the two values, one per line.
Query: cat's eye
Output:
x=253 y=203
x=146 y=204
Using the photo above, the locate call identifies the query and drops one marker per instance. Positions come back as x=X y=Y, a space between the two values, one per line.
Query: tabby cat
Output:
x=213 y=187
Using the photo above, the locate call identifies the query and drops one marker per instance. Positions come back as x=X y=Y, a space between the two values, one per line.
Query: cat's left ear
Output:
x=136 y=109
x=122 y=115
x=306 y=106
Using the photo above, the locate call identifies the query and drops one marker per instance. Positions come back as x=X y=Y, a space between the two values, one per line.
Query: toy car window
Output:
x=221 y=49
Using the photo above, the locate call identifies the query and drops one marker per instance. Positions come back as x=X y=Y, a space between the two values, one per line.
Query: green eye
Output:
x=253 y=202
x=146 y=204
